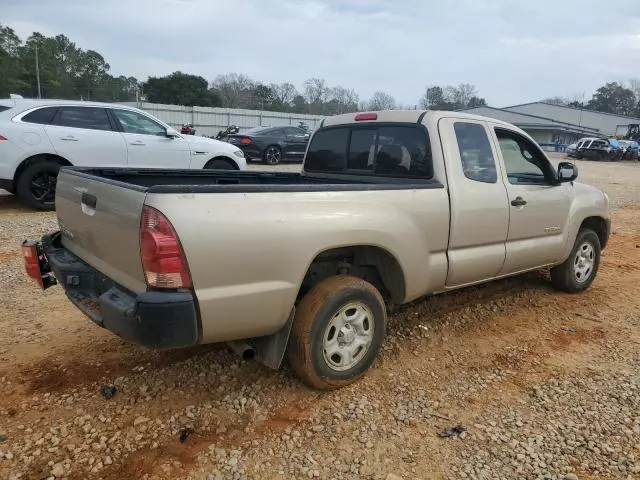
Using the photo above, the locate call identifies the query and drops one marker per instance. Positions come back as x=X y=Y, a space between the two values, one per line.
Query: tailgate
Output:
x=100 y=223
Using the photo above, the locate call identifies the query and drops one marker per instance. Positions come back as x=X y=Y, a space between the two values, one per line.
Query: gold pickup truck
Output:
x=390 y=206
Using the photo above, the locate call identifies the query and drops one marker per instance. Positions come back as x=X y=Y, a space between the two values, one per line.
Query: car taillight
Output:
x=32 y=262
x=245 y=141
x=2 y=137
x=163 y=260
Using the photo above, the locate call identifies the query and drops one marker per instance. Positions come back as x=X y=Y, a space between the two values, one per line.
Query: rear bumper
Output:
x=154 y=319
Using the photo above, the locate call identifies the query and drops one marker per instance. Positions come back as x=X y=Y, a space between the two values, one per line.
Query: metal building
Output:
x=552 y=125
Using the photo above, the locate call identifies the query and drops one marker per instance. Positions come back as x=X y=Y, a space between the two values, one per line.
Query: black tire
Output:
x=36 y=186
x=314 y=324
x=272 y=155
x=220 y=164
x=566 y=277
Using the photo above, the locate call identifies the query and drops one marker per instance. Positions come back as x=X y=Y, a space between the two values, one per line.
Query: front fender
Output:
x=587 y=202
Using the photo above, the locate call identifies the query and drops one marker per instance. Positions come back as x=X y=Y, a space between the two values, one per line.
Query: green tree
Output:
x=11 y=69
x=614 y=98
x=181 y=89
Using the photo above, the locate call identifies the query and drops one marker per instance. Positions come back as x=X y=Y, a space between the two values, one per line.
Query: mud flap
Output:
x=270 y=350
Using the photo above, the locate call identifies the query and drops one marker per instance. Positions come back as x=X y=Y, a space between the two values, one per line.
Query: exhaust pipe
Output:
x=242 y=349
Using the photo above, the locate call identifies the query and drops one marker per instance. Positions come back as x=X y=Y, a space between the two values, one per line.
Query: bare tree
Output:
x=556 y=100
x=235 y=89
x=634 y=86
x=343 y=100
x=285 y=93
x=461 y=95
x=381 y=101
x=316 y=90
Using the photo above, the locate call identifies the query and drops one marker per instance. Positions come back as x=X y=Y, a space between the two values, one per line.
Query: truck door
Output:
x=538 y=204
x=479 y=204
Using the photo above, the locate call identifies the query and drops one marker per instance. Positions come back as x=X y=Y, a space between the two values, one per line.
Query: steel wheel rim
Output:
x=584 y=262
x=273 y=155
x=348 y=336
x=43 y=187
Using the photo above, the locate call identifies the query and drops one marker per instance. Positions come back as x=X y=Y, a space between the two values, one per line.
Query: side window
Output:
x=328 y=150
x=291 y=131
x=134 y=122
x=475 y=152
x=91 y=118
x=41 y=115
x=524 y=162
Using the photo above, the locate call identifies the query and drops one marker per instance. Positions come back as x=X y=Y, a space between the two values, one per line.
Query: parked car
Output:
x=572 y=149
x=629 y=149
x=272 y=144
x=600 y=149
x=37 y=137
x=390 y=206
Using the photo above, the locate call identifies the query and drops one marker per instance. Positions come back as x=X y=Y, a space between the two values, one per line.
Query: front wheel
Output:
x=273 y=155
x=337 y=332
x=36 y=186
x=578 y=271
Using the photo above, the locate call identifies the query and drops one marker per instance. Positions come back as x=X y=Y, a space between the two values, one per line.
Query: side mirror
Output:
x=171 y=133
x=567 y=172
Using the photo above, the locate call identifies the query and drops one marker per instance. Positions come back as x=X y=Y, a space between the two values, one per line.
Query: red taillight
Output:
x=2 y=137
x=163 y=260
x=360 y=117
x=32 y=262
x=245 y=141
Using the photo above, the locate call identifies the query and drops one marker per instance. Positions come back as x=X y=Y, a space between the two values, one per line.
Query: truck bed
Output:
x=212 y=181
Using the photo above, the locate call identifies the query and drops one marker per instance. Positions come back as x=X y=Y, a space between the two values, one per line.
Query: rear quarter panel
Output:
x=248 y=252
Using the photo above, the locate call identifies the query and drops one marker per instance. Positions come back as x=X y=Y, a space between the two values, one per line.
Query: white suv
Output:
x=37 y=137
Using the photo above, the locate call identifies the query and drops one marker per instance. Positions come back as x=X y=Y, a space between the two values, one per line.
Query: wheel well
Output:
x=39 y=158
x=598 y=225
x=373 y=264
x=223 y=158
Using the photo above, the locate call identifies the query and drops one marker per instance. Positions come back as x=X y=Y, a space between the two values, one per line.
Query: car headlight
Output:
x=238 y=153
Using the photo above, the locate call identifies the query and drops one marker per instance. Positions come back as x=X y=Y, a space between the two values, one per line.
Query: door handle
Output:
x=138 y=144
x=69 y=139
x=518 y=202
x=89 y=200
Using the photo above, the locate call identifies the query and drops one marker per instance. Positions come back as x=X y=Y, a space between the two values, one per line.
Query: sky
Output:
x=513 y=51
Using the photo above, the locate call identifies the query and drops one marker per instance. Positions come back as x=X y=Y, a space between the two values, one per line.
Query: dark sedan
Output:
x=272 y=144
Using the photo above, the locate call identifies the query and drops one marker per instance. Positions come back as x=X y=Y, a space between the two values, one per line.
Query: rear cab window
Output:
x=377 y=150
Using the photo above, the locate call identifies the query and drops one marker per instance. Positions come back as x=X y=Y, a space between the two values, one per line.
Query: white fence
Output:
x=208 y=121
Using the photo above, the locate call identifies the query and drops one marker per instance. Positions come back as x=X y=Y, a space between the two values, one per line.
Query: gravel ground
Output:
x=544 y=385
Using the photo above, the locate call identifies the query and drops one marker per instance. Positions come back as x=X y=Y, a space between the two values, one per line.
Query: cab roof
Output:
x=405 y=116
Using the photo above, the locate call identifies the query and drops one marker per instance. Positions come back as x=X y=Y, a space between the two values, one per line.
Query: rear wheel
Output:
x=580 y=269
x=36 y=186
x=337 y=332
x=220 y=164
x=272 y=155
